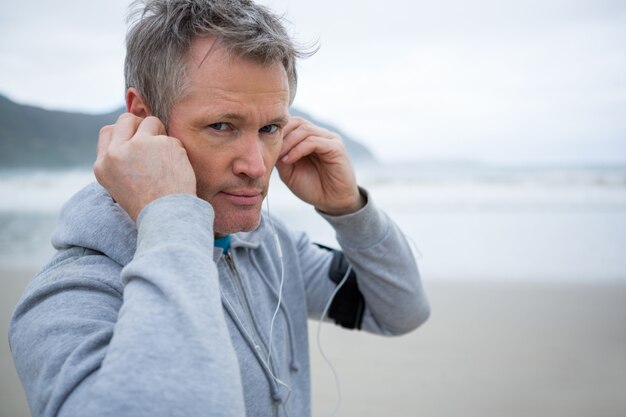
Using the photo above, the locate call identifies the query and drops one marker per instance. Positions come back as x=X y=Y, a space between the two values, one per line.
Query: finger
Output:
x=290 y=140
x=296 y=127
x=151 y=126
x=125 y=128
x=284 y=171
x=104 y=139
x=312 y=145
x=288 y=130
x=293 y=123
x=301 y=133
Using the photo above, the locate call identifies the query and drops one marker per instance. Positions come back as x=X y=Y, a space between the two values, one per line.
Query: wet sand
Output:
x=12 y=400
x=489 y=349
x=501 y=350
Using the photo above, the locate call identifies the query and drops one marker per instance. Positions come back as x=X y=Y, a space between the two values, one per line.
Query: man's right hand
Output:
x=138 y=163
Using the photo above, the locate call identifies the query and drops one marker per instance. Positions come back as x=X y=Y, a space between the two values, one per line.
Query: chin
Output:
x=233 y=224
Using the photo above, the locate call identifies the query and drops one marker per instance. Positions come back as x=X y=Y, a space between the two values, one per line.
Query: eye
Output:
x=219 y=126
x=269 y=129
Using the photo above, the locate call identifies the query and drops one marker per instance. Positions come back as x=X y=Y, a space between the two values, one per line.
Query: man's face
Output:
x=230 y=121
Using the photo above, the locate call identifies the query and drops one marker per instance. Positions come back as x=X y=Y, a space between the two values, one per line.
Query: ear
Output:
x=135 y=103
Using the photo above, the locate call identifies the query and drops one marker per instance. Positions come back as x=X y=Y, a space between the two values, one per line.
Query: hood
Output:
x=92 y=219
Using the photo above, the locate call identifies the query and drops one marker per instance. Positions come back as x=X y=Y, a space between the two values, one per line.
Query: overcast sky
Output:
x=497 y=81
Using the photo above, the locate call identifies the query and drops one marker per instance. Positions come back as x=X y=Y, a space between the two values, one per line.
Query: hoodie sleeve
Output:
x=161 y=348
x=386 y=271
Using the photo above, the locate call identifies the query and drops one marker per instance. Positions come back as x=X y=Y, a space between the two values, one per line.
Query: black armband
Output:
x=348 y=306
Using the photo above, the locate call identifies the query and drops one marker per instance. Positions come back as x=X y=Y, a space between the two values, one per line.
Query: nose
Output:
x=250 y=160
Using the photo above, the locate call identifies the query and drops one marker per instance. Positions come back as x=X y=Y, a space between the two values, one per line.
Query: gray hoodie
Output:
x=149 y=319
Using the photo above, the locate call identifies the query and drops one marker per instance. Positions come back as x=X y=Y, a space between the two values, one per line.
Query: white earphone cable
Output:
x=319 y=344
x=282 y=279
x=324 y=313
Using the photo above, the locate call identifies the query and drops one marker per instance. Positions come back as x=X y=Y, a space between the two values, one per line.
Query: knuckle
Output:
x=170 y=139
x=98 y=169
x=112 y=156
x=166 y=141
x=126 y=116
x=105 y=130
x=338 y=143
x=154 y=123
x=153 y=120
x=181 y=152
x=175 y=142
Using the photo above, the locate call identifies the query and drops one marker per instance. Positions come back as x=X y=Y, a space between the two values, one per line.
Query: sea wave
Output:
x=410 y=189
x=465 y=229
x=40 y=190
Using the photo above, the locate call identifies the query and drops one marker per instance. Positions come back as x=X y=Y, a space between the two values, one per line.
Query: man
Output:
x=170 y=293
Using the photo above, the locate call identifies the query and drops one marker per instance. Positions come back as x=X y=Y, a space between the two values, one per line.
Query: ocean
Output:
x=466 y=222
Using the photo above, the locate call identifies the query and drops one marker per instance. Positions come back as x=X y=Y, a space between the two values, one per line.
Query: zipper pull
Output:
x=230 y=261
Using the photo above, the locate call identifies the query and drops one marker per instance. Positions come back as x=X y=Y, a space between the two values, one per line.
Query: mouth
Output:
x=243 y=197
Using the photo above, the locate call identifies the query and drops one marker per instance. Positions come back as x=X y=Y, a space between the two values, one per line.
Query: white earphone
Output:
x=324 y=313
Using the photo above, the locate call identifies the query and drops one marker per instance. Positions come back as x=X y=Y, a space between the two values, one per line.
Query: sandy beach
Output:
x=501 y=350
x=489 y=349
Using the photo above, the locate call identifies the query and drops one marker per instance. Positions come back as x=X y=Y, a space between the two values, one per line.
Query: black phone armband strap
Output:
x=348 y=305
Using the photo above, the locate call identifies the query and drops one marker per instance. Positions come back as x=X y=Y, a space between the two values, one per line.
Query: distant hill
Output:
x=35 y=137
x=32 y=137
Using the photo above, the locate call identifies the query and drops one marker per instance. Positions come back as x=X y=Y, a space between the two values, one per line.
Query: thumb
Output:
x=124 y=128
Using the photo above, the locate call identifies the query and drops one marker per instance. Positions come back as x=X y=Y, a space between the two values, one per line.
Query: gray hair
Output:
x=161 y=32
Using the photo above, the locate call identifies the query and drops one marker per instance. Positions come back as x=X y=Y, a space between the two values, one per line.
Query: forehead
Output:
x=214 y=73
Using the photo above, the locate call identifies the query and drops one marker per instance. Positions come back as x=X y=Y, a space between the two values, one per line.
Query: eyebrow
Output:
x=281 y=120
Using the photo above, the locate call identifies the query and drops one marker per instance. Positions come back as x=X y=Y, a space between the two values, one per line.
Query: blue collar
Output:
x=223 y=242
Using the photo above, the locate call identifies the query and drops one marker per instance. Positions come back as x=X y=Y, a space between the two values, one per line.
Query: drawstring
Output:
x=252 y=311
x=279 y=395
x=293 y=363
x=272 y=380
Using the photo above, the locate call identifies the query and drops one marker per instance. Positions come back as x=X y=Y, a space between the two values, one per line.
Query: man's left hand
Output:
x=314 y=164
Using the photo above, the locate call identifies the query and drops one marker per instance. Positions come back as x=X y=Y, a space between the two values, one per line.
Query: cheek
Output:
x=211 y=171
